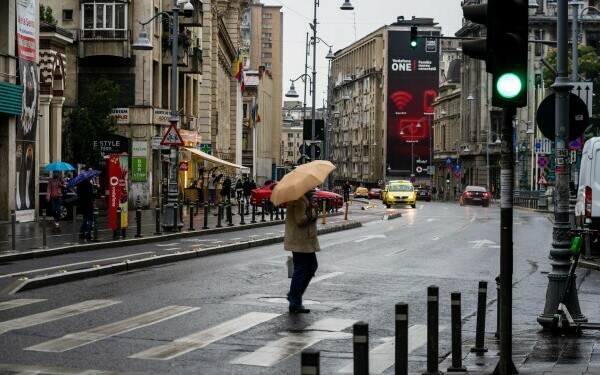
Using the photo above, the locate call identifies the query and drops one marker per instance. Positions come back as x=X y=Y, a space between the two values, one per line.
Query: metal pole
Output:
x=44 y=228
x=305 y=79
x=157 y=211
x=433 y=298
x=309 y=362
x=253 y=213
x=456 y=334
x=95 y=224
x=206 y=209
x=487 y=163
x=138 y=222
x=191 y=228
x=314 y=86
x=480 y=327
x=117 y=231
x=401 y=343
x=361 y=348
x=13 y=227
x=561 y=243
x=241 y=213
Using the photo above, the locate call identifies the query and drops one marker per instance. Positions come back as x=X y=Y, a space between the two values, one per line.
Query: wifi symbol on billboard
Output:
x=401 y=98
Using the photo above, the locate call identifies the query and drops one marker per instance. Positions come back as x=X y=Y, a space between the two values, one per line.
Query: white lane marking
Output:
x=236 y=239
x=52 y=315
x=203 y=338
x=382 y=357
x=483 y=243
x=166 y=244
x=285 y=347
x=172 y=248
x=325 y=277
x=437 y=238
x=75 y=340
x=47 y=370
x=431 y=219
x=95 y=261
x=396 y=252
x=18 y=303
x=370 y=237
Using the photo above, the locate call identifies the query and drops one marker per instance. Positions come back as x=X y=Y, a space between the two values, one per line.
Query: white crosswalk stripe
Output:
x=48 y=370
x=18 y=303
x=203 y=338
x=78 y=339
x=52 y=315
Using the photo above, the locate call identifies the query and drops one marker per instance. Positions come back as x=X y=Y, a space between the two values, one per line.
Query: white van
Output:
x=587 y=207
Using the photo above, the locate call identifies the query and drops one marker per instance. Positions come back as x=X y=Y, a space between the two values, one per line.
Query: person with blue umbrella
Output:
x=54 y=195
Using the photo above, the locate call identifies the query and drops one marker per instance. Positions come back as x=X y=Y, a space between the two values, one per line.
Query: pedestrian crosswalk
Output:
x=281 y=345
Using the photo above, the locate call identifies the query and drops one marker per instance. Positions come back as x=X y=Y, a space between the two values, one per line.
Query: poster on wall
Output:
x=118 y=168
x=26 y=124
x=139 y=161
x=413 y=79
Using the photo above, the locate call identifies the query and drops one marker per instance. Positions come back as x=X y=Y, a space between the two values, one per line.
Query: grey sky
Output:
x=341 y=28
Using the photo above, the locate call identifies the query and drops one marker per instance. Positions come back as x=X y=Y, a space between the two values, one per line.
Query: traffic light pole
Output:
x=561 y=241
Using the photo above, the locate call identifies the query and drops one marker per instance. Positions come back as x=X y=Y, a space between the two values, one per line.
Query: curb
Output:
x=127 y=265
x=393 y=215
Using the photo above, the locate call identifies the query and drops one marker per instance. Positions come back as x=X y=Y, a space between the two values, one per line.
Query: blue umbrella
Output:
x=83 y=176
x=59 y=166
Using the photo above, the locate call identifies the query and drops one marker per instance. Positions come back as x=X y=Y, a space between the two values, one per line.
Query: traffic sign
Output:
x=419 y=169
x=542 y=161
x=579 y=117
x=172 y=137
x=585 y=91
x=542 y=180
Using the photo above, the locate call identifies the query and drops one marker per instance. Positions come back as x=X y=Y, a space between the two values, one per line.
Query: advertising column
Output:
x=118 y=168
x=413 y=79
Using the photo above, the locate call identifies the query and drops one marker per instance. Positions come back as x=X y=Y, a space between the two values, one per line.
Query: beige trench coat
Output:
x=301 y=227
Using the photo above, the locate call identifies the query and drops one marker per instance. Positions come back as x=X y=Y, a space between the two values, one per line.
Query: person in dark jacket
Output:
x=85 y=202
x=226 y=190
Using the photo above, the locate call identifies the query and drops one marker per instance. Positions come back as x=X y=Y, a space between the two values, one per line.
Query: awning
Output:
x=216 y=160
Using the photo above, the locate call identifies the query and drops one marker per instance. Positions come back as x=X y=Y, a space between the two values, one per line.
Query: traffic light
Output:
x=413 y=37
x=447 y=178
x=480 y=48
x=509 y=46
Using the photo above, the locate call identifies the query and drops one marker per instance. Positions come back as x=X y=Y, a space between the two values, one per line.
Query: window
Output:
x=267 y=15
x=290 y=144
x=267 y=55
x=67 y=14
x=267 y=26
x=267 y=64
x=111 y=16
x=290 y=136
x=267 y=45
x=266 y=35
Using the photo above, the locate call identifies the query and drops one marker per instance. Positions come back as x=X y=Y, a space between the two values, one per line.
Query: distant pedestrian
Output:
x=239 y=190
x=55 y=195
x=346 y=188
x=226 y=190
x=300 y=237
x=434 y=192
x=85 y=202
x=247 y=189
x=212 y=189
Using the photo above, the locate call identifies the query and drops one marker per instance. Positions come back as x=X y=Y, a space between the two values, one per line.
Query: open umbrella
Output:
x=58 y=166
x=305 y=177
x=82 y=177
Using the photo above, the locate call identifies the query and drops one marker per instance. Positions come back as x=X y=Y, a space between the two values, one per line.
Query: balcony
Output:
x=194 y=62
x=183 y=58
x=104 y=42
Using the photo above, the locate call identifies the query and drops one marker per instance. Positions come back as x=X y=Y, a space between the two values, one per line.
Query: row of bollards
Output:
x=310 y=359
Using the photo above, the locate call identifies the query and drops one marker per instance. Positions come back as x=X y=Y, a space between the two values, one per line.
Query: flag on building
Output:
x=239 y=70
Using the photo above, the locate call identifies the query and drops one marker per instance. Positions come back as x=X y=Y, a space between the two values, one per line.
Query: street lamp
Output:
x=412 y=149
x=487 y=155
x=464 y=147
x=143 y=43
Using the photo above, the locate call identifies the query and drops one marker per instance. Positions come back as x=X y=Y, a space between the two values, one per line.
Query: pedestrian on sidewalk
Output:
x=300 y=237
x=239 y=190
x=54 y=195
x=85 y=201
x=346 y=188
x=211 y=189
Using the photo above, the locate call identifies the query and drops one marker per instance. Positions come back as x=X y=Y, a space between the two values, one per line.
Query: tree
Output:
x=90 y=122
x=46 y=15
x=589 y=70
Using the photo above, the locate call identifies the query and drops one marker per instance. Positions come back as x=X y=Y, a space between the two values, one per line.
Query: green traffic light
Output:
x=413 y=43
x=509 y=85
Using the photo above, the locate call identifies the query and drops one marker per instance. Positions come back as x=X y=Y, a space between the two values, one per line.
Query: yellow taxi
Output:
x=361 y=192
x=399 y=192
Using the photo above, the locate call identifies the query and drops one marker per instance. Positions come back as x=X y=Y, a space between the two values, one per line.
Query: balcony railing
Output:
x=103 y=35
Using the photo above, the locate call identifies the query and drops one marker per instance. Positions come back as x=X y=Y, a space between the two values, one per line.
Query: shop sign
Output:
x=162 y=116
x=139 y=161
x=122 y=115
x=183 y=166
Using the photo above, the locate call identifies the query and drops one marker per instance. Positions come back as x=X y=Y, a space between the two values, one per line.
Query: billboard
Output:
x=413 y=79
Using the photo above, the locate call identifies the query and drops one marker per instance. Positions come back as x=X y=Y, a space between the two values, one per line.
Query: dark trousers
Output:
x=86 y=225
x=305 y=266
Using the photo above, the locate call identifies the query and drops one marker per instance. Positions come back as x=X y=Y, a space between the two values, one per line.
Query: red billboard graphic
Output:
x=413 y=79
x=117 y=189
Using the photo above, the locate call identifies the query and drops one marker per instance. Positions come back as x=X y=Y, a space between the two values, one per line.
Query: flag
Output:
x=254 y=116
x=239 y=67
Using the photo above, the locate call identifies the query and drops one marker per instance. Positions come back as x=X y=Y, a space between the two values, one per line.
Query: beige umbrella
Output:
x=305 y=177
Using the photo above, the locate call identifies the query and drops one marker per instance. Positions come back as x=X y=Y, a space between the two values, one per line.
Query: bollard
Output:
x=270 y=210
x=456 y=334
x=309 y=362
x=248 y=206
x=176 y=216
x=282 y=213
x=277 y=213
x=206 y=207
x=191 y=228
x=75 y=230
x=401 y=344
x=290 y=266
x=198 y=204
x=43 y=229
x=180 y=208
x=138 y=222
x=253 y=213
x=157 y=230
x=262 y=212
x=229 y=215
x=117 y=231
x=361 y=348
x=95 y=225
x=241 y=213
x=480 y=327
x=13 y=228
x=346 y=213
x=433 y=299
x=324 y=210
x=497 y=333
x=219 y=215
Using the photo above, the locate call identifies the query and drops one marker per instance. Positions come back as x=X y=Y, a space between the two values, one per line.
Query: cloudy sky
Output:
x=341 y=28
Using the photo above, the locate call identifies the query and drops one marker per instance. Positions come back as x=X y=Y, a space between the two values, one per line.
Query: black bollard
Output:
x=219 y=215
x=241 y=213
x=197 y=207
x=401 y=344
x=277 y=213
x=138 y=222
x=282 y=213
x=191 y=228
x=157 y=230
x=229 y=215
x=180 y=214
x=248 y=206
x=480 y=328
x=176 y=216
x=497 y=333
x=456 y=334
x=13 y=228
x=44 y=229
x=95 y=225
x=253 y=214
x=206 y=207
x=433 y=299
x=309 y=362
x=117 y=231
x=262 y=212
x=361 y=348
x=270 y=210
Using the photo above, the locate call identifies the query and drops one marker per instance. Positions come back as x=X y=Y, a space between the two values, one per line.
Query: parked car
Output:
x=475 y=195
x=375 y=193
x=399 y=192
x=424 y=194
x=66 y=210
x=258 y=195
x=361 y=192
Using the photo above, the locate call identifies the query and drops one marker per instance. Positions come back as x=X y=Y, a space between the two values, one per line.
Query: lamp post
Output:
x=464 y=147
x=487 y=155
x=412 y=149
x=172 y=221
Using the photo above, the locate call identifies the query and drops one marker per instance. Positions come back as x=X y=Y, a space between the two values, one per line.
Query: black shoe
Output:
x=299 y=310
